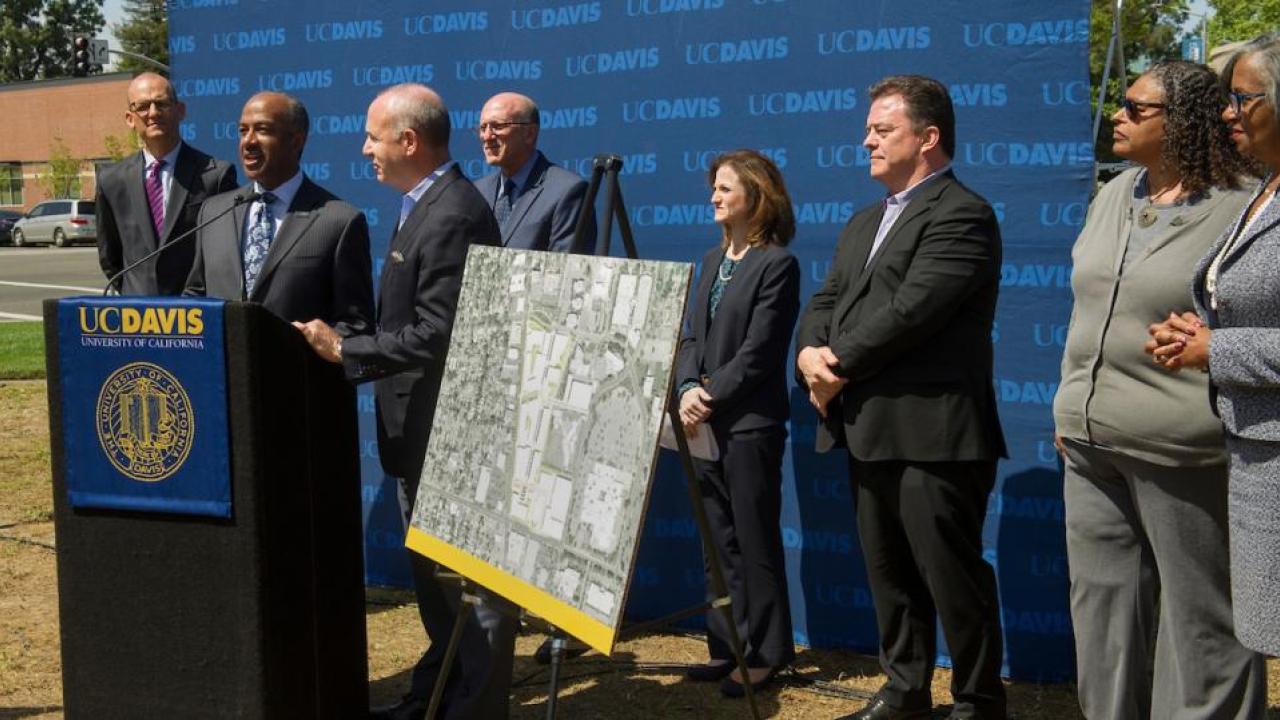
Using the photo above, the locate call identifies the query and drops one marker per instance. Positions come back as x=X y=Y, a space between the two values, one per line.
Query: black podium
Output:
x=255 y=615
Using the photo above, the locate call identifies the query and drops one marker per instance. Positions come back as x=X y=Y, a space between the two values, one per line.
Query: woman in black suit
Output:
x=732 y=375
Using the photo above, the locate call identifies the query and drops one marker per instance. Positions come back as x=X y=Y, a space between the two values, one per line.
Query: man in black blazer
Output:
x=153 y=196
x=895 y=350
x=535 y=202
x=441 y=216
x=298 y=250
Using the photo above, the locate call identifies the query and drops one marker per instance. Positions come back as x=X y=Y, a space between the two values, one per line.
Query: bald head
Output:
x=149 y=81
x=406 y=134
x=289 y=108
x=415 y=107
x=154 y=113
x=509 y=131
x=273 y=133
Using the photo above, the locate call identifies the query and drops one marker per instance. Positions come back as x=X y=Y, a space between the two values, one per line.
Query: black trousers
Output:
x=920 y=525
x=479 y=683
x=742 y=495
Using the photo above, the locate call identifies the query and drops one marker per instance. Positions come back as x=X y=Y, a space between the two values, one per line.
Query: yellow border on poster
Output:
x=559 y=613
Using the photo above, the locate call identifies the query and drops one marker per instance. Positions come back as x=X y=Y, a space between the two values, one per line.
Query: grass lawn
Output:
x=21 y=350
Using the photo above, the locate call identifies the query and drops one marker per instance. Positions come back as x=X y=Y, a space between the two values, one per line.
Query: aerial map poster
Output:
x=546 y=433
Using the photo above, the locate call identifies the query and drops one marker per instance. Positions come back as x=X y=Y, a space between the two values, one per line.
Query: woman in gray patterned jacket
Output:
x=1236 y=338
x=1145 y=477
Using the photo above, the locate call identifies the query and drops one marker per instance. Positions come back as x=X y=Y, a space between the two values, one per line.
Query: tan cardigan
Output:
x=1111 y=393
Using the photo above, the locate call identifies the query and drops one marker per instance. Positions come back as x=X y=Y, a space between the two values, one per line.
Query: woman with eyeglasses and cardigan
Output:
x=1236 y=339
x=1145 y=472
x=731 y=374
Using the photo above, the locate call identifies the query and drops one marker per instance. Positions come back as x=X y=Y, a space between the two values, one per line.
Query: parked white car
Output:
x=60 y=222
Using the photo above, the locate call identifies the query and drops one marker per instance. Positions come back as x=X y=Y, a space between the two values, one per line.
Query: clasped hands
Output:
x=322 y=338
x=818 y=366
x=695 y=408
x=1181 y=341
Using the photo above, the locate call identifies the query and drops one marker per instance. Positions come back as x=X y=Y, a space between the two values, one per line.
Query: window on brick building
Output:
x=10 y=184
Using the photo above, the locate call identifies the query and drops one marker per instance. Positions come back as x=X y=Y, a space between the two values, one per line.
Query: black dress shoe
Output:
x=731 y=688
x=542 y=655
x=709 y=672
x=409 y=708
x=878 y=709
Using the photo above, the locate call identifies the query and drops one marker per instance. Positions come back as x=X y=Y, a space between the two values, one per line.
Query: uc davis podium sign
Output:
x=149 y=377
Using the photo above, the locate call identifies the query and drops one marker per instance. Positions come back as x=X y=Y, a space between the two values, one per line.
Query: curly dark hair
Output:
x=1197 y=142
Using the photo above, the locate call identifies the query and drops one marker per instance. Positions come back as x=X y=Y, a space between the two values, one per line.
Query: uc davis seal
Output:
x=145 y=421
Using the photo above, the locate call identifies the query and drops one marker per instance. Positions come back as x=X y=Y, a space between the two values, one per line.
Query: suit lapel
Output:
x=1268 y=218
x=702 y=302
x=921 y=203
x=235 y=238
x=863 y=234
x=420 y=209
x=184 y=172
x=136 y=189
x=863 y=237
x=296 y=221
x=536 y=175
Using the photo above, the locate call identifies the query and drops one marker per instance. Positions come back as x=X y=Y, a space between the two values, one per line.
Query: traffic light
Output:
x=81 y=56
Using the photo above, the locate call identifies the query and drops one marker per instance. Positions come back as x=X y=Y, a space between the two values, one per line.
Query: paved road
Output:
x=28 y=275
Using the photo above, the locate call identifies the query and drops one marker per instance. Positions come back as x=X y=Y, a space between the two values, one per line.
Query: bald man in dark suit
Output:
x=153 y=197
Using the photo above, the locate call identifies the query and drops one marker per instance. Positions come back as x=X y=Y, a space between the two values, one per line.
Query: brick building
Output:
x=82 y=112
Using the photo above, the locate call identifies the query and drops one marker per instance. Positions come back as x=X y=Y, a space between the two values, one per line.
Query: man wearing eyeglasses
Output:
x=153 y=196
x=535 y=202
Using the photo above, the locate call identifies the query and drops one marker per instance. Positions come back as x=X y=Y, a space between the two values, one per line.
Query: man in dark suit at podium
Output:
x=441 y=215
x=535 y=202
x=895 y=350
x=153 y=196
x=298 y=250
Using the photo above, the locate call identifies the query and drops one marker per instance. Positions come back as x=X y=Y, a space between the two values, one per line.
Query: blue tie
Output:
x=259 y=242
x=502 y=209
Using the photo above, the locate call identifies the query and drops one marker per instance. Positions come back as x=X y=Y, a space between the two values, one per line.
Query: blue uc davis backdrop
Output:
x=667 y=84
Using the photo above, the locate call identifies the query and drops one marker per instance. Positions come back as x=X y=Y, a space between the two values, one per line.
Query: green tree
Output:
x=1151 y=31
x=62 y=180
x=117 y=146
x=1234 y=20
x=145 y=32
x=36 y=36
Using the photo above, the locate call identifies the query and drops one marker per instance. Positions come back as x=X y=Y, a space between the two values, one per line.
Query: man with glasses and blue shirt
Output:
x=153 y=196
x=297 y=249
x=535 y=202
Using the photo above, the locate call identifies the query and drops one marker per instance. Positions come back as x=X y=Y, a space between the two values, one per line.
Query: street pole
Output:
x=140 y=58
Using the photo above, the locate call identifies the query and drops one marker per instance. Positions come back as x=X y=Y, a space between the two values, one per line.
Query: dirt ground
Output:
x=642 y=680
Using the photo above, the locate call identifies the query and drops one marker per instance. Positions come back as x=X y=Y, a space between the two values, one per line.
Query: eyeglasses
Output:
x=1238 y=99
x=498 y=128
x=142 y=106
x=1134 y=109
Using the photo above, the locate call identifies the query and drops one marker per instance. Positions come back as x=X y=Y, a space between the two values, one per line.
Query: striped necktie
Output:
x=155 y=197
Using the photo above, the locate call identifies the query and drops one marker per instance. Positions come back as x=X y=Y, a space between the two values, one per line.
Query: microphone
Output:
x=240 y=199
